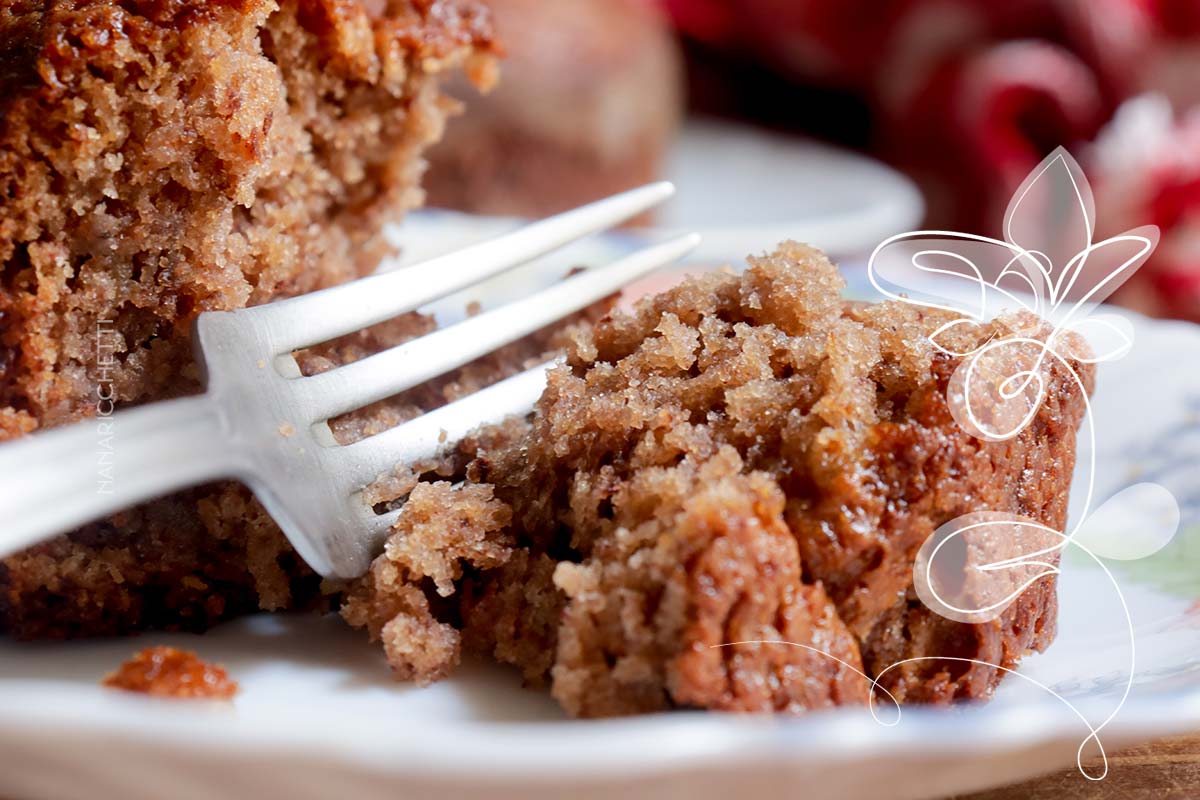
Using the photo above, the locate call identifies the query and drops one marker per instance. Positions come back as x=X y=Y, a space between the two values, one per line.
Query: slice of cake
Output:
x=160 y=158
x=719 y=501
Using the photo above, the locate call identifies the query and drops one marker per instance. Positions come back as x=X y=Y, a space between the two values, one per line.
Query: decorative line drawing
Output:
x=1043 y=281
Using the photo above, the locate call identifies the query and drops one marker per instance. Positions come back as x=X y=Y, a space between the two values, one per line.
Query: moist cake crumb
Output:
x=718 y=501
x=441 y=531
x=169 y=672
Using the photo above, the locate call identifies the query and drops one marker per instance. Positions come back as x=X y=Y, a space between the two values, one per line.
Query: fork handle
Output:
x=57 y=480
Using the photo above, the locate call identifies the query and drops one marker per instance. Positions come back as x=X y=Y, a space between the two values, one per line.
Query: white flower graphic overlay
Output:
x=1040 y=285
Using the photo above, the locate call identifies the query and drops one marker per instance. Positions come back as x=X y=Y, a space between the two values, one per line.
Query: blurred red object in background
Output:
x=972 y=130
x=967 y=96
x=1145 y=168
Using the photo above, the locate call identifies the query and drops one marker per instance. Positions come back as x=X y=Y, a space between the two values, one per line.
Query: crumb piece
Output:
x=441 y=530
x=169 y=672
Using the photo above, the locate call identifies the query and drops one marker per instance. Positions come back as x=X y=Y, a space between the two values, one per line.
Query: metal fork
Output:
x=262 y=422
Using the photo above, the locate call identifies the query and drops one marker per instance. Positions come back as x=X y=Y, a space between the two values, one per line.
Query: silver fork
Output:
x=262 y=422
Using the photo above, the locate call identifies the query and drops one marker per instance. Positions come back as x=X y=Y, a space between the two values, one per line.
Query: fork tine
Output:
x=317 y=317
x=380 y=525
x=382 y=375
x=422 y=438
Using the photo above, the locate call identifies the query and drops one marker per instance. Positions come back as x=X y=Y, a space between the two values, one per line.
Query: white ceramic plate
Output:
x=319 y=716
x=743 y=188
x=787 y=187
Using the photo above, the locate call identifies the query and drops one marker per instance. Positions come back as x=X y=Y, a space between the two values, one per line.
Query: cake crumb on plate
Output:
x=170 y=672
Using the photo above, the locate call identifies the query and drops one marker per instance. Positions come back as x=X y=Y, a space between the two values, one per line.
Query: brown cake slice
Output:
x=742 y=461
x=160 y=158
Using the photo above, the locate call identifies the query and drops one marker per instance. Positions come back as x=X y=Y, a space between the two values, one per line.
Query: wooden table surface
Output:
x=1164 y=770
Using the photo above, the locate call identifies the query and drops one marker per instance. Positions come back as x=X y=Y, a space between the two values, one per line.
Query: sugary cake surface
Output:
x=750 y=459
